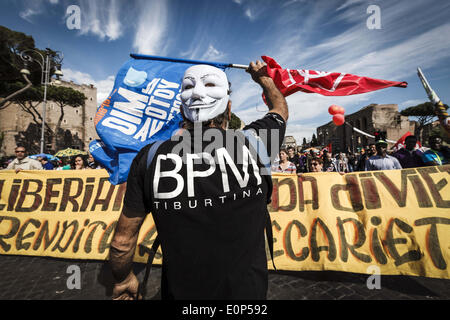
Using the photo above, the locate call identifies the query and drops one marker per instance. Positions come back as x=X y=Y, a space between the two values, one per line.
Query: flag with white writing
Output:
x=143 y=107
x=289 y=81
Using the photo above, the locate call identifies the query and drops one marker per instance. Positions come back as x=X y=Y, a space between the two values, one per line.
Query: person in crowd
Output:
x=382 y=161
x=351 y=162
x=438 y=154
x=284 y=165
x=316 y=164
x=47 y=165
x=341 y=163
x=303 y=160
x=313 y=153
x=92 y=163
x=65 y=163
x=78 y=163
x=369 y=152
x=211 y=230
x=23 y=162
x=409 y=156
x=295 y=159
x=329 y=164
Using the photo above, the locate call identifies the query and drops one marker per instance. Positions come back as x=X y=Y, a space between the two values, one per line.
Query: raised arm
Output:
x=275 y=100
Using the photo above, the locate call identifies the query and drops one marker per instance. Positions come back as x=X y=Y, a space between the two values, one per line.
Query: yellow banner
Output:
x=398 y=221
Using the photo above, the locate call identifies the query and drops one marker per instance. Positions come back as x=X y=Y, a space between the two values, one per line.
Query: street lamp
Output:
x=46 y=65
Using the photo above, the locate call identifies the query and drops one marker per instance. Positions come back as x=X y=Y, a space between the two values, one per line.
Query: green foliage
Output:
x=424 y=113
x=65 y=96
x=314 y=142
x=12 y=43
x=421 y=110
x=235 y=122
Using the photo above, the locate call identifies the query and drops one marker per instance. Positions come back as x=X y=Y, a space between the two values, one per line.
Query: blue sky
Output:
x=323 y=35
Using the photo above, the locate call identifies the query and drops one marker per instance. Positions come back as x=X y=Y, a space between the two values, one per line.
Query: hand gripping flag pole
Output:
x=440 y=109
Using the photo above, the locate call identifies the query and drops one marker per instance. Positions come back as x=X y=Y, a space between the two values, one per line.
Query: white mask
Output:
x=204 y=93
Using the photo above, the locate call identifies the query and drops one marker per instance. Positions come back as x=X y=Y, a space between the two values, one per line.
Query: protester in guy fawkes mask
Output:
x=201 y=201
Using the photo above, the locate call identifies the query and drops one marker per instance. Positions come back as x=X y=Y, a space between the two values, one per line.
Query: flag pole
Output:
x=239 y=66
x=439 y=107
x=216 y=64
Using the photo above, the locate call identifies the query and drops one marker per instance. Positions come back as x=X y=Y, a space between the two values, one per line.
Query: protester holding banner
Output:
x=409 y=156
x=209 y=219
x=22 y=161
x=382 y=161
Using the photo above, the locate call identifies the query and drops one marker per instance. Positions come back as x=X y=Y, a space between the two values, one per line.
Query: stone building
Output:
x=382 y=117
x=17 y=126
x=289 y=141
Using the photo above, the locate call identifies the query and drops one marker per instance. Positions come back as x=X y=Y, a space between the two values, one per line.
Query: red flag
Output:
x=325 y=83
x=401 y=142
x=328 y=148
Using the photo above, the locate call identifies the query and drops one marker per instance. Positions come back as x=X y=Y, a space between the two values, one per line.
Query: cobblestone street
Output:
x=36 y=278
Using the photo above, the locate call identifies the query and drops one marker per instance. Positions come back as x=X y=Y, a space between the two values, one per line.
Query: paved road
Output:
x=39 y=278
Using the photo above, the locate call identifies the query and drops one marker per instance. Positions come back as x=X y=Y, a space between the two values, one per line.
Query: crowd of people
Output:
x=374 y=157
x=23 y=162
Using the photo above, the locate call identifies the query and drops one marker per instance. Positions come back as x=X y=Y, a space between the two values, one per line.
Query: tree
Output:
x=64 y=97
x=314 y=142
x=29 y=100
x=12 y=44
x=304 y=142
x=424 y=113
x=235 y=122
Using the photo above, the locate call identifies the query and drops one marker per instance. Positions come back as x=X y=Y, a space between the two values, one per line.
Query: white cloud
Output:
x=248 y=13
x=101 y=18
x=212 y=54
x=393 y=53
x=104 y=87
x=151 y=27
x=28 y=13
x=347 y=4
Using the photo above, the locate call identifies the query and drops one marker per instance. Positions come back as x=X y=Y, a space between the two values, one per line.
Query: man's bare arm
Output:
x=274 y=98
x=123 y=244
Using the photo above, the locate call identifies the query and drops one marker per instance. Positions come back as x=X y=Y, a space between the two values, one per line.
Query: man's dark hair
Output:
x=411 y=137
x=319 y=160
x=433 y=137
x=20 y=146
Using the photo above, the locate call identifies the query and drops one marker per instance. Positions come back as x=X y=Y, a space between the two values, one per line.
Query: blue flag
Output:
x=143 y=107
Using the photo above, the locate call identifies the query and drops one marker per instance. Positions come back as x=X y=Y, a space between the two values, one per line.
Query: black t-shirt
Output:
x=210 y=208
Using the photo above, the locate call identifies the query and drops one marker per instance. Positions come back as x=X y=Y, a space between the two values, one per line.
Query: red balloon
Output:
x=333 y=109
x=339 y=119
x=340 y=110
